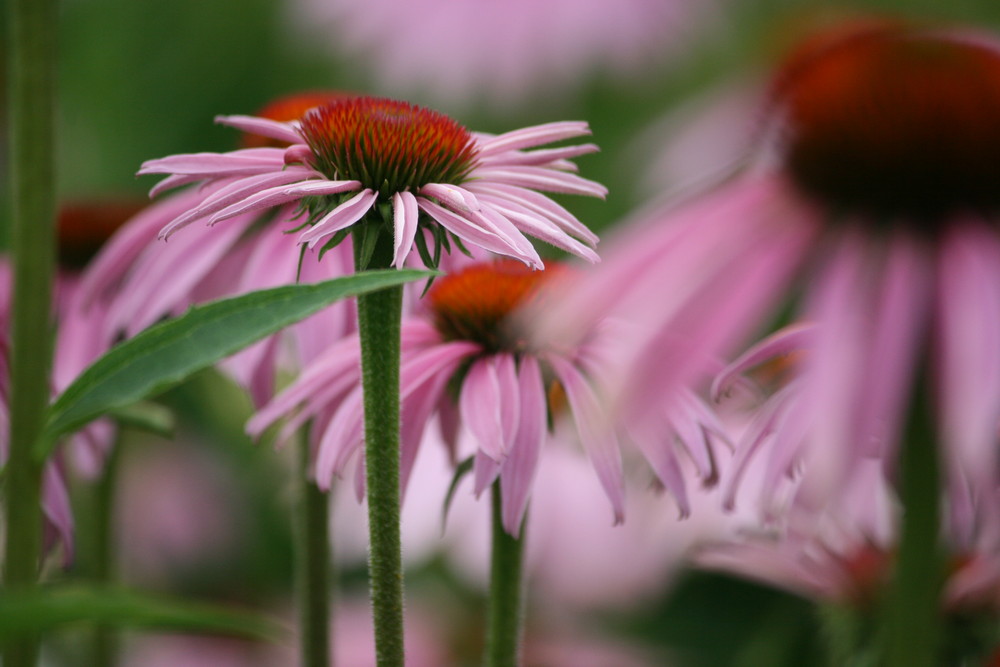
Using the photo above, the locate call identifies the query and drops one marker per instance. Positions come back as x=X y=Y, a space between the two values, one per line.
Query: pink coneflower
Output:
x=466 y=361
x=885 y=200
x=142 y=281
x=412 y=168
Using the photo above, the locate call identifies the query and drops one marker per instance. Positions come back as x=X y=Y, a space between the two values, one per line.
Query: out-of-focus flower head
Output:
x=83 y=226
x=409 y=168
x=466 y=360
x=142 y=281
x=501 y=52
x=881 y=211
x=844 y=555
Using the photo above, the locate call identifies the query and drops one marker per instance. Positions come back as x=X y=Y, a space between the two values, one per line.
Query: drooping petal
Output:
x=793 y=338
x=969 y=314
x=475 y=234
x=283 y=194
x=518 y=473
x=339 y=218
x=406 y=219
x=480 y=404
x=598 y=440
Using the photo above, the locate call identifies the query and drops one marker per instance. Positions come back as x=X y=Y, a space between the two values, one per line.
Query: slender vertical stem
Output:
x=313 y=566
x=32 y=110
x=914 y=605
x=103 y=566
x=379 y=315
x=505 y=615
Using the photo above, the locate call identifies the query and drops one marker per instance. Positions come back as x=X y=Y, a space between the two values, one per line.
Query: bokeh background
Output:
x=667 y=86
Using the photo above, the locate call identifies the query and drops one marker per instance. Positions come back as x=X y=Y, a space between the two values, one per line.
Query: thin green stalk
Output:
x=379 y=315
x=103 y=565
x=313 y=566
x=503 y=639
x=913 y=636
x=32 y=112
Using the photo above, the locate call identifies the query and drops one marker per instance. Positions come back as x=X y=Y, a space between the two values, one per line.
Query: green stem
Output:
x=103 y=569
x=32 y=112
x=379 y=315
x=914 y=604
x=313 y=566
x=505 y=613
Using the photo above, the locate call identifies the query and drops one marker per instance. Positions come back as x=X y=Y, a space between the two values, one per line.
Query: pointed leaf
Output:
x=46 y=609
x=167 y=353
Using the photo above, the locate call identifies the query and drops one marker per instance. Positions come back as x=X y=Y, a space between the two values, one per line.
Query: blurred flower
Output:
x=465 y=360
x=82 y=227
x=503 y=53
x=142 y=282
x=845 y=554
x=885 y=199
x=178 y=508
x=415 y=167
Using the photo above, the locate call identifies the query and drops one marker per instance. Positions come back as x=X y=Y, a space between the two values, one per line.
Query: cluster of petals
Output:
x=502 y=404
x=845 y=552
x=889 y=304
x=493 y=208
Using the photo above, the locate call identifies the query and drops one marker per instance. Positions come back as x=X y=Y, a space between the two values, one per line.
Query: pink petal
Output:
x=282 y=195
x=406 y=219
x=532 y=136
x=793 y=338
x=545 y=157
x=538 y=203
x=969 y=315
x=541 y=178
x=264 y=127
x=474 y=234
x=481 y=404
x=339 y=218
x=599 y=442
x=518 y=474
x=247 y=161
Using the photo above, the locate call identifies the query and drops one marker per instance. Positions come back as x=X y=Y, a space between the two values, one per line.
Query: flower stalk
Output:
x=912 y=632
x=32 y=114
x=379 y=319
x=505 y=615
x=313 y=567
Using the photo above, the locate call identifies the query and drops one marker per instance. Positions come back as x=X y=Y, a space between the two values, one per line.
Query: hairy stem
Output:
x=313 y=566
x=379 y=316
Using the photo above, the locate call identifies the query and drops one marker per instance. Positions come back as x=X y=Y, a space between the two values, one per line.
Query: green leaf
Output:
x=167 y=353
x=463 y=468
x=44 y=609
x=146 y=416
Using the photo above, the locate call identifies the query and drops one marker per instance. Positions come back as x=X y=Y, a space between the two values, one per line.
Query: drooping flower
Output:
x=884 y=201
x=466 y=360
x=413 y=167
x=506 y=53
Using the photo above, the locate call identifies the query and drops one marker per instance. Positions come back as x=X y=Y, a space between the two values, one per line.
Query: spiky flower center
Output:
x=475 y=303
x=84 y=226
x=389 y=146
x=894 y=122
x=289 y=108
